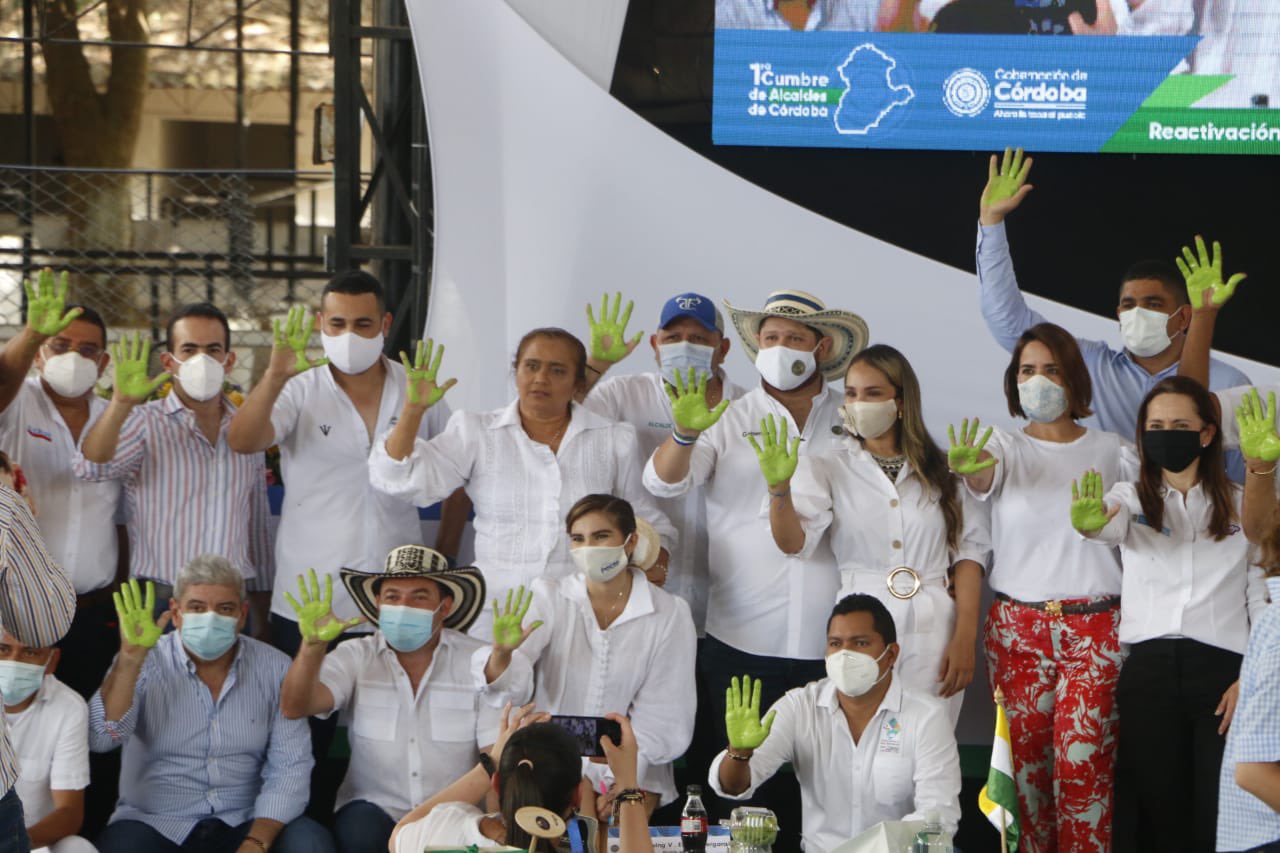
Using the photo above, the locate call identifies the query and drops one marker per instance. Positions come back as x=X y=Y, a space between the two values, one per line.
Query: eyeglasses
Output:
x=58 y=346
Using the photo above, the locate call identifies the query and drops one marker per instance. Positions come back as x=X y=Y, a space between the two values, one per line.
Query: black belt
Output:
x=1057 y=608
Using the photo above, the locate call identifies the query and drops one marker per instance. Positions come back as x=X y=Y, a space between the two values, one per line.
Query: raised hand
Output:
x=132 y=358
x=137 y=630
x=46 y=304
x=777 y=463
x=965 y=456
x=508 y=623
x=1006 y=186
x=1258 y=439
x=609 y=335
x=689 y=403
x=316 y=621
x=1203 y=274
x=742 y=714
x=1104 y=24
x=1088 y=513
x=294 y=338
x=422 y=371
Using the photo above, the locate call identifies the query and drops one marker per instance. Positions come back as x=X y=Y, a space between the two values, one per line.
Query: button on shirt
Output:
x=332 y=517
x=188 y=758
x=857 y=15
x=640 y=666
x=405 y=746
x=521 y=491
x=51 y=738
x=641 y=400
x=77 y=518
x=185 y=496
x=758 y=600
x=1179 y=582
x=1244 y=821
x=905 y=765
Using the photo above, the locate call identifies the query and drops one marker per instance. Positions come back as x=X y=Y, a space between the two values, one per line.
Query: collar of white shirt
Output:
x=640 y=603
x=580 y=420
x=892 y=700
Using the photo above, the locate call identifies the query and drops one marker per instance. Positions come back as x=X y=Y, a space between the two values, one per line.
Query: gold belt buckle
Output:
x=893 y=588
x=1053 y=608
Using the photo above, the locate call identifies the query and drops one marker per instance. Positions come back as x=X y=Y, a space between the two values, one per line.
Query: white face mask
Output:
x=870 y=420
x=855 y=673
x=785 y=368
x=69 y=374
x=201 y=376
x=682 y=355
x=1145 y=332
x=601 y=563
x=1042 y=399
x=352 y=353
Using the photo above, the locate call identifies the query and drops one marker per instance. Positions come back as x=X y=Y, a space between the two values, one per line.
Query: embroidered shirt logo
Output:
x=324 y=428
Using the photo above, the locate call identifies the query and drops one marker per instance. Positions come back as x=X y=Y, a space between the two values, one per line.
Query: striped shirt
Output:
x=188 y=757
x=37 y=600
x=185 y=496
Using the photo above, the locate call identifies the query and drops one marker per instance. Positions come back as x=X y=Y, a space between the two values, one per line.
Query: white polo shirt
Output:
x=641 y=400
x=905 y=766
x=406 y=746
x=332 y=518
x=77 y=518
x=51 y=739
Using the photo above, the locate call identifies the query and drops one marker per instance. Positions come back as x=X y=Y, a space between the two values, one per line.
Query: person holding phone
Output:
x=604 y=640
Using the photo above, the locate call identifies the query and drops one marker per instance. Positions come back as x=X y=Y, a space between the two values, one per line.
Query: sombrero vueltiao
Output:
x=848 y=331
x=417 y=561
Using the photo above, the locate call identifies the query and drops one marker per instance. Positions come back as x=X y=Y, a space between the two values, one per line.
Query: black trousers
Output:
x=1170 y=751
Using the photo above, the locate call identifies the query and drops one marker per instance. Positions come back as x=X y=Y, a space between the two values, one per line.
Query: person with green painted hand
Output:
x=609 y=343
x=139 y=629
x=289 y=345
x=47 y=312
x=689 y=407
x=1006 y=187
x=133 y=384
x=1088 y=512
x=1260 y=445
x=968 y=457
x=742 y=716
x=316 y=621
x=777 y=461
x=1203 y=275
x=509 y=631
x=422 y=388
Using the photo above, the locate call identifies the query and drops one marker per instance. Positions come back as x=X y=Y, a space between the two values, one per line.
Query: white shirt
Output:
x=905 y=766
x=1038 y=554
x=641 y=400
x=759 y=601
x=51 y=739
x=641 y=666
x=332 y=518
x=77 y=518
x=856 y=15
x=1179 y=582
x=407 y=746
x=447 y=825
x=521 y=491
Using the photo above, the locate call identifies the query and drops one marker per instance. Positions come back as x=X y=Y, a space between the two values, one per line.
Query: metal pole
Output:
x=242 y=130
x=346 y=108
x=27 y=219
x=295 y=41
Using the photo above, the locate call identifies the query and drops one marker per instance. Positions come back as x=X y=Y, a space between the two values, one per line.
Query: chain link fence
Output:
x=136 y=244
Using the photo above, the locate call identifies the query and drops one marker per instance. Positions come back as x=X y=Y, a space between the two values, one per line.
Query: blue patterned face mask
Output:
x=1042 y=399
x=406 y=629
x=208 y=635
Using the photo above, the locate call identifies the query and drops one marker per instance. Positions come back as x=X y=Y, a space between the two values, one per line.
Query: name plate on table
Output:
x=666 y=839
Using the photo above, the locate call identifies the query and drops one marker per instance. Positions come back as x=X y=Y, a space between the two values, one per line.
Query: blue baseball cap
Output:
x=694 y=305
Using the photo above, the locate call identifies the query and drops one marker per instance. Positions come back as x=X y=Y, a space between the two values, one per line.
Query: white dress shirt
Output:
x=758 y=600
x=332 y=517
x=905 y=766
x=641 y=400
x=51 y=738
x=641 y=666
x=1179 y=582
x=447 y=825
x=1038 y=555
x=407 y=746
x=521 y=491
x=76 y=518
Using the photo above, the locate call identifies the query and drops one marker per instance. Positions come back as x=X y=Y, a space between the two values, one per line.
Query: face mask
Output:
x=869 y=420
x=69 y=374
x=406 y=629
x=19 y=680
x=679 y=357
x=1172 y=449
x=854 y=673
x=201 y=377
x=1042 y=399
x=207 y=635
x=600 y=563
x=785 y=368
x=352 y=353
x=1145 y=332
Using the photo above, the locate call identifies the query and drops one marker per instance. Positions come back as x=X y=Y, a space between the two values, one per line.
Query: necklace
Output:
x=890 y=465
x=558 y=433
x=614 y=607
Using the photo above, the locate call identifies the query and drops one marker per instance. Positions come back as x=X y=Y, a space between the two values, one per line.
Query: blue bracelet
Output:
x=683 y=440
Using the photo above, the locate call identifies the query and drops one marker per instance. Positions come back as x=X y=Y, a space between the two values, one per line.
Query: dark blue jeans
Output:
x=362 y=827
x=13 y=828
x=302 y=835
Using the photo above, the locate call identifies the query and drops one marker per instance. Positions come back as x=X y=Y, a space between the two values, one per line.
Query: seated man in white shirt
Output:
x=864 y=748
x=49 y=728
x=416 y=719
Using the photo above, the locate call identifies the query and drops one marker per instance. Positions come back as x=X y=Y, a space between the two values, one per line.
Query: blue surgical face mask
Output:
x=679 y=357
x=19 y=680
x=208 y=635
x=407 y=629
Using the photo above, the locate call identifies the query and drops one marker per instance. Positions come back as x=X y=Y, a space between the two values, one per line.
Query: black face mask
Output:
x=1172 y=449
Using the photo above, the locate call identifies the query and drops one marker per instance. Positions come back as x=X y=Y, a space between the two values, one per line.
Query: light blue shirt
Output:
x=1244 y=821
x=1119 y=382
x=188 y=758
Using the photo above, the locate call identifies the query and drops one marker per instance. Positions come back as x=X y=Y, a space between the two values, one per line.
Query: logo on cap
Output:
x=687 y=302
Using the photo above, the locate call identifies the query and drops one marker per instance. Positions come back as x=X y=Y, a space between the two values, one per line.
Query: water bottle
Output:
x=693 y=822
x=933 y=838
